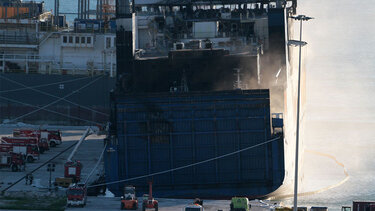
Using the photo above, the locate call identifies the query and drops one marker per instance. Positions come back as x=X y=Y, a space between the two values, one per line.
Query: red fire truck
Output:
x=76 y=195
x=43 y=144
x=73 y=170
x=29 y=151
x=148 y=201
x=27 y=141
x=52 y=137
x=14 y=161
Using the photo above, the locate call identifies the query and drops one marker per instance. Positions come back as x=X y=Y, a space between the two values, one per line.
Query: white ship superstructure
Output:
x=36 y=45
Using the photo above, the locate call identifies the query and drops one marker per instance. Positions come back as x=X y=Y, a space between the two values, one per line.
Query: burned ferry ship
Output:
x=197 y=80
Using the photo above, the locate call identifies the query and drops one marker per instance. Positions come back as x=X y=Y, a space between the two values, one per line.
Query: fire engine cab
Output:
x=30 y=152
x=14 y=161
x=52 y=137
x=26 y=141
x=19 y=134
x=73 y=170
x=77 y=195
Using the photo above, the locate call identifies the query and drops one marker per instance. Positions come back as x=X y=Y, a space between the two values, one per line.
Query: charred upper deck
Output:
x=161 y=43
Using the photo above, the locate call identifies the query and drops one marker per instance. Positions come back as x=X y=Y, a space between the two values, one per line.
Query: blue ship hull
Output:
x=162 y=131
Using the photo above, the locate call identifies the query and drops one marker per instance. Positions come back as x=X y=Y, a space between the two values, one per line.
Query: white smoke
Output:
x=339 y=117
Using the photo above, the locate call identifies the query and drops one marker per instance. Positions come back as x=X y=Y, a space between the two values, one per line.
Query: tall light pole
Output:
x=50 y=169
x=300 y=43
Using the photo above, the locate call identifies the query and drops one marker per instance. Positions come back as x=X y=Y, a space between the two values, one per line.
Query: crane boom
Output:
x=88 y=132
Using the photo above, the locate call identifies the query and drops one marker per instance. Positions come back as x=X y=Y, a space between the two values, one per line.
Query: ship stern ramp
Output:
x=173 y=139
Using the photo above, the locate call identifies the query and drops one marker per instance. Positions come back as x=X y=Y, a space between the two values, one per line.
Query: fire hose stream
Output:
x=273 y=196
x=96 y=165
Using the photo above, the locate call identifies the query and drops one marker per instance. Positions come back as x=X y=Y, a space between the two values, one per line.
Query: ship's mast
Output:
x=57 y=9
x=83 y=9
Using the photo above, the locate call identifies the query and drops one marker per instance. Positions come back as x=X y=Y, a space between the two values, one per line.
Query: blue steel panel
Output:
x=204 y=113
x=228 y=172
x=226 y=124
x=203 y=125
x=253 y=174
x=204 y=140
x=120 y=127
x=111 y=165
x=135 y=127
x=275 y=17
x=248 y=111
x=168 y=131
x=181 y=114
x=137 y=164
x=224 y=111
x=250 y=139
x=160 y=155
x=226 y=144
x=252 y=123
x=205 y=174
x=182 y=156
x=277 y=122
x=182 y=126
x=135 y=115
x=182 y=142
x=120 y=117
x=121 y=152
x=204 y=152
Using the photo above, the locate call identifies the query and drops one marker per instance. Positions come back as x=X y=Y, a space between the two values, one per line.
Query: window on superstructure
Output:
x=65 y=39
x=107 y=42
x=77 y=40
x=88 y=40
x=83 y=40
x=70 y=39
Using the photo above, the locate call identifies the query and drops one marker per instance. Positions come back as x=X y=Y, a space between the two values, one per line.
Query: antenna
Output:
x=237 y=84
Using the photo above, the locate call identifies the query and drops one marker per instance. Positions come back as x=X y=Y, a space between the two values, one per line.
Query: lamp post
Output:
x=299 y=43
x=50 y=169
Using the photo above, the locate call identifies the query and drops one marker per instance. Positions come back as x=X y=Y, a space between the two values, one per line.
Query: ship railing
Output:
x=37 y=58
x=81 y=71
x=25 y=57
x=209 y=34
x=48 y=65
x=18 y=38
x=209 y=14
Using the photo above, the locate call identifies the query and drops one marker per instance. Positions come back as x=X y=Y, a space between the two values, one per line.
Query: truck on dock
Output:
x=196 y=206
x=14 y=161
x=43 y=146
x=76 y=195
x=52 y=137
x=239 y=204
x=72 y=169
x=29 y=151
x=129 y=201
x=319 y=209
x=148 y=201
x=193 y=207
